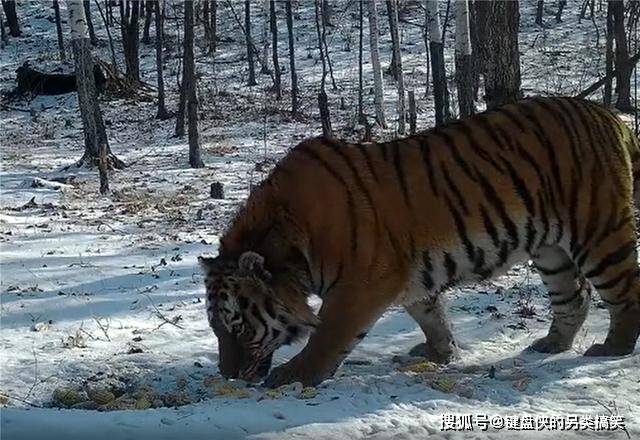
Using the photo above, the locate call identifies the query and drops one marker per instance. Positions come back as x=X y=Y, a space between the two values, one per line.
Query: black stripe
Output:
x=454 y=188
x=462 y=231
x=353 y=220
x=335 y=281
x=320 y=290
x=490 y=226
x=367 y=158
x=459 y=160
x=426 y=150
x=427 y=278
x=566 y=301
x=450 y=266
x=493 y=198
x=613 y=258
x=475 y=146
x=546 y=143
x=613 y=282
x=397 y=164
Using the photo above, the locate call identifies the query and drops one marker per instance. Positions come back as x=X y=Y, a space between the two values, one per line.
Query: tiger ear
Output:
x=206 y=263
x=252 y=264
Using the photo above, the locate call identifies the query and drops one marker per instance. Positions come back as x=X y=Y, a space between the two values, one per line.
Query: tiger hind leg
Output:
x=612 y=267
x=569 y=297
x=430 y=315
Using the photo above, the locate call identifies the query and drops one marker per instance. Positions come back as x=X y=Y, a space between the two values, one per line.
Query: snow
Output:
x=107 y=289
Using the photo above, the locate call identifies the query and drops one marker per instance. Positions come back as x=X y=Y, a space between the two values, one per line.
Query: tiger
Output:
x=368 y=226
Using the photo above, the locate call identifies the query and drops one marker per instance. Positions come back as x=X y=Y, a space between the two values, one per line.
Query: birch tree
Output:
x=95 y=138
x=436 y=52
x=398 y=58
x=464 y=62
x=378 y=99
x=323 y=100
x=361 y=117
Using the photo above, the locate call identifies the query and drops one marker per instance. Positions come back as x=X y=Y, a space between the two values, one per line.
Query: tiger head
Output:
x=248 y=315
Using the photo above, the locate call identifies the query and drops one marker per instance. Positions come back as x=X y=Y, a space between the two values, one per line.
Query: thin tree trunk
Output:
x=56 y=10
x=274 y=35
x=323 y=101
x=502 y=65
x=159 y=12
x=249 y=44
x=9 y=7
x=87 y=13
x=130 y=38
x=623 y=69
x=464 y=62
x=182 y=102
x=539 y=12
x=107 y=27
x=400 y=75
x=206 y=22
x=292 y=60
x=436 y=52
x=148 y=12
x=413 y=117
x=393 y=66
x=378 y=96
x=265 y=36
x=4 y=40
x=189 y=84
x=214 y=25
x=561 y=5
x=361 y=117
x=608 y=85
x=95 y=138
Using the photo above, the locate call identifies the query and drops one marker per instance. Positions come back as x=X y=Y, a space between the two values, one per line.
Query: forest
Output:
x=133 y=131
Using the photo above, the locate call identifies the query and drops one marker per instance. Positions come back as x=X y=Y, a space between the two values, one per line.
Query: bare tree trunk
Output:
x=361 y=117
x=274 y=35
x=400 y=76
x=56 y=10
x=464 y=62
x=87 y=13
x=214 y=25
x=4 y=39
x=265 y=36
x=247 y=34
x=9 y=7
x=159 y=12
x=323 y=101
x=148 y=12
x=189 y=83
x=393 y=66
x=130 y=38
x=378 y=98
x=95 y=138
x=413 y=117
x=436 y=51
x=292 y=60
x=539 y=12
x=608 y=85
x=561 y=5
x=623 y=68
x=502 y=65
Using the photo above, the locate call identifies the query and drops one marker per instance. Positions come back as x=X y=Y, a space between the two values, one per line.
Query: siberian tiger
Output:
x=368 y=226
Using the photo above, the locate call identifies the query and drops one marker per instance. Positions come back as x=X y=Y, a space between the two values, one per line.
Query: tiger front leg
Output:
x=344 y=320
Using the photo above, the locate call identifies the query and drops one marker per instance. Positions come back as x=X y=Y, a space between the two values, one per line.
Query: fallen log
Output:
x=36 y=82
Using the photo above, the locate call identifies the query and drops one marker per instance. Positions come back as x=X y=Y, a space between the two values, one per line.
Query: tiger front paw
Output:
x=294 y=371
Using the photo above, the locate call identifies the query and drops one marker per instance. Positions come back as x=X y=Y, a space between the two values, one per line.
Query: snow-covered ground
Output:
x=105 y=291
